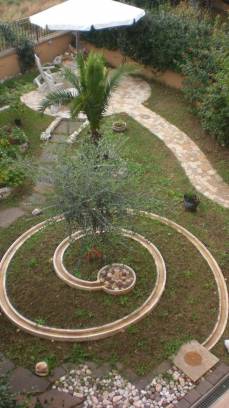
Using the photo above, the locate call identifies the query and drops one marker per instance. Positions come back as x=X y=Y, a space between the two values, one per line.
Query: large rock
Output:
x=54 y=399
x=23 y=381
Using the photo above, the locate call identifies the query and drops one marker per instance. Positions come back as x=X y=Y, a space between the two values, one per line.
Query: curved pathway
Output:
x=129 y=98
x=109 y=329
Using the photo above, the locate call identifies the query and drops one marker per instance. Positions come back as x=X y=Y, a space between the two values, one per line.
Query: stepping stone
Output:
x=56 y=374
x=23 y=381
x=5 y=366
x=54 y=399
x=9 y=215
x=194 y=360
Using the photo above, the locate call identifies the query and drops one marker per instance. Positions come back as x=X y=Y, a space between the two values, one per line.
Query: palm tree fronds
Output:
x=60 y=97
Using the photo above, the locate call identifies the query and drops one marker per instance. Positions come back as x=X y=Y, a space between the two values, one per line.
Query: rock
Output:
x=45 y=136
x=23 y=381
x=41 y=369
x=181 y=381
x=5 y=192
x=58 y=60
x=158 y=387
x=54 y=399
x=226 y=344
x=36 y=211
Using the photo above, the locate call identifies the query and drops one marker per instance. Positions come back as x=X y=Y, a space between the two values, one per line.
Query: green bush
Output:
x=11 y=173
x=186 y=40
x=18 y=136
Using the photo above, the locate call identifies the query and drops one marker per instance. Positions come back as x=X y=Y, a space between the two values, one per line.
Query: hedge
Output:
x=185 y=40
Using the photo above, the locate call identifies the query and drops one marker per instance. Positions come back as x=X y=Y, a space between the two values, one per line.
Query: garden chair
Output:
x=46 y=80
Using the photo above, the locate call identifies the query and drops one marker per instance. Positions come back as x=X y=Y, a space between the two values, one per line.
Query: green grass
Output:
x=171 y=104
x=188 y=308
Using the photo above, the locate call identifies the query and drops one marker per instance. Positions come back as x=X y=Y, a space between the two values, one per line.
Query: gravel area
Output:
x=115 y=391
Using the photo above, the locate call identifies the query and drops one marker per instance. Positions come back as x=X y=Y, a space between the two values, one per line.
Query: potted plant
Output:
x=119 y=126
x=191 y=202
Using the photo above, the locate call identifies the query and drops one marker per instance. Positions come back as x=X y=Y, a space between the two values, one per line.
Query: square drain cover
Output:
x=194 y=360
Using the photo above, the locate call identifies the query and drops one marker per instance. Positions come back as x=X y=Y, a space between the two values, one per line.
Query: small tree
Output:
x=94 y=84
x=93 y=189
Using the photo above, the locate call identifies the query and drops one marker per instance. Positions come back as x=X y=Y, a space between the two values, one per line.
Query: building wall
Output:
x=47 y=49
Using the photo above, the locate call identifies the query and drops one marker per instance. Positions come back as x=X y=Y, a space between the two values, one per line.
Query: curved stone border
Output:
x=119 y=325
x=78 y=283
x=222 y=318
x=93 y=333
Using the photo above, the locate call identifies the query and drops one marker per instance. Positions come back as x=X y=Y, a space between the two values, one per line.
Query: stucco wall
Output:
x=47 y=50
x=115 y=58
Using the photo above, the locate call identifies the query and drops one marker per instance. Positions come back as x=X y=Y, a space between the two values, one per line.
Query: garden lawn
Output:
x=189 y=305
x=171 y=105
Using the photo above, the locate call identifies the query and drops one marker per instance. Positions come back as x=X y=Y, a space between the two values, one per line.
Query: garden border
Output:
x=119 y=325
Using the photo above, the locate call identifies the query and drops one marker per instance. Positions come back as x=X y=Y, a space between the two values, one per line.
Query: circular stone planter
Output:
x=119 y=127
x=118 y=279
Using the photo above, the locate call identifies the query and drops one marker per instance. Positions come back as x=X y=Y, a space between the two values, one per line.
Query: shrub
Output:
x=186 y=40
x=24 y=46
x=18 y=136
x=11 y=173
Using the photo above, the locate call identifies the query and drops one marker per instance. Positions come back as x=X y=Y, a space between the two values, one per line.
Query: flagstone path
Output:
x=129 y=98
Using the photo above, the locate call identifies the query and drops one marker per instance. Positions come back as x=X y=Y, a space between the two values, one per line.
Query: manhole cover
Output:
x=193 y=358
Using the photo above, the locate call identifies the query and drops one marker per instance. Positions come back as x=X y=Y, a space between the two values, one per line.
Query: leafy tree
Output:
x=94 y=84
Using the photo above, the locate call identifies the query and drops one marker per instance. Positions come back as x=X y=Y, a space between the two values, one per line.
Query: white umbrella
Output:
x=83 y=15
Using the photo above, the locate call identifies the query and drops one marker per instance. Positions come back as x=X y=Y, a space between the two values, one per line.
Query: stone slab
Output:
x=59 y=399
x=10 y=215
x=194 y=360
x=23 y=381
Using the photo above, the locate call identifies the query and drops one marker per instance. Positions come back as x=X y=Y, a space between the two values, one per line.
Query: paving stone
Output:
x=192 y=396
x=203 y=387
x=56 y=374
x=215 y=376
x=183 y=404
x=102 y=370
x=5 y=366
x=25 y=401
x=10 y=215
x=23 y=381
x=194 y=360
x=59 y=399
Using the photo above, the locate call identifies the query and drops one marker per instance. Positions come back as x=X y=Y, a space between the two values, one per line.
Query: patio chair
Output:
x=46 y=80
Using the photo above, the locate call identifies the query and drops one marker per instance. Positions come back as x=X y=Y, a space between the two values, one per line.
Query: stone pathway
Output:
x=129 y=98
x=9 y=215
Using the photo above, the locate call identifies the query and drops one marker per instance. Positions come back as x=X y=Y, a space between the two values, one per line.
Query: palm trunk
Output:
x=95 y=135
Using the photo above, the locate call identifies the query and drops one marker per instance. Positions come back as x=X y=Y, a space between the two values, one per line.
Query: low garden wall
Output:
x=47 y=49
x=115 y=58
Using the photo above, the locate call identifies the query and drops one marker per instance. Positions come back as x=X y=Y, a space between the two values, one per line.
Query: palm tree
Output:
x=94 y=84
